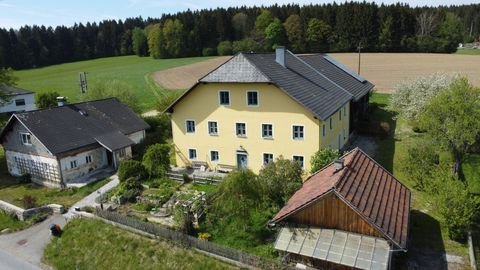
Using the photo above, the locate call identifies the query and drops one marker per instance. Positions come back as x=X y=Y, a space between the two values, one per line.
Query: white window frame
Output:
x=73 y=164
x=220 y=97
x=194 y=126
x=267 y=137
x=88 y=159
x=303 y=160
x=236 y=133
x=258 y=98
x=263 y=158
x=28 y=138
x=211 y=156
x=196 y=154
x=293 y=132
x=216 y=127
x=122 y=153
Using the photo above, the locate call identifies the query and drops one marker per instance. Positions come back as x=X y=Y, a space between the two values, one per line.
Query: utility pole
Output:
x=359 y=55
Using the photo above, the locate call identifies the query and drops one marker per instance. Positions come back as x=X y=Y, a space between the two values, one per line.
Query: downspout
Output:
x=62 y=183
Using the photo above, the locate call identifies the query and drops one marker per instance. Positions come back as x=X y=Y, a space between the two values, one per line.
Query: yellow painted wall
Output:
x=275 y=107
x=338 y=126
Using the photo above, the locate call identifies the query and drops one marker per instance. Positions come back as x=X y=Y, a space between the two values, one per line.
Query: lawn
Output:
x=471 y=172
x=132 y=70
x=13 y=192
x=468 y=51
x=92 y=244
x=426 y=229
x=10 y=222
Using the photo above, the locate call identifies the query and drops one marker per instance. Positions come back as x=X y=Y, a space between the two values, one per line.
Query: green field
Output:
x=92 y=244
x=469 y=51
x=132 y=70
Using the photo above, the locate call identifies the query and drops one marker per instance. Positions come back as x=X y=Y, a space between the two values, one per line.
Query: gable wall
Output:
x=332 y=213
x=275 y=107
x=13 y=142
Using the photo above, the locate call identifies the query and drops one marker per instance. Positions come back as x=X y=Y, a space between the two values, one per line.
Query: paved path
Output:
x=24 y=249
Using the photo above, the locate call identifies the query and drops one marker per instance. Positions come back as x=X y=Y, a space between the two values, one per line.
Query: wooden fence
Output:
x=182 y=239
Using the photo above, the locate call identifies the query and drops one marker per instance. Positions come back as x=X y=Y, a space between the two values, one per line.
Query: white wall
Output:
x=99 y=160
x=11 y=107
x=137 y=137
x=48 y=179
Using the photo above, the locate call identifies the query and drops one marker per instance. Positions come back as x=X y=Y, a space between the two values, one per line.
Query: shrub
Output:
x=224 y=48
x=29 y=202
x=131 y=168
x=186 y=178
x=130 y=189
x=157 y=160
x=209 y=51
x=322 y=158
x=419 y=164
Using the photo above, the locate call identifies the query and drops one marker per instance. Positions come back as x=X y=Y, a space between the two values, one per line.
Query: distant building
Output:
x=58 y=145
x=352 y=214
x=19 y=100
x=256 y=107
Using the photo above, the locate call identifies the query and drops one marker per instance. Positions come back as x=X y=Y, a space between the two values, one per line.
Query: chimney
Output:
x=338 y=163
x=61 y=101
x=280 y=55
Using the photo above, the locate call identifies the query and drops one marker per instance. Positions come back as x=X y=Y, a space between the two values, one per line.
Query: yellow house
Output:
x=255 y=108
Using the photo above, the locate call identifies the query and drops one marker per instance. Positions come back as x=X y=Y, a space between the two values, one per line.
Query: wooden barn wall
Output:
x=332 y=213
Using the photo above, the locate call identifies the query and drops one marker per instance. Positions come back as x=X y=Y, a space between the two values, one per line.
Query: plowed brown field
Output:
x=385 y=70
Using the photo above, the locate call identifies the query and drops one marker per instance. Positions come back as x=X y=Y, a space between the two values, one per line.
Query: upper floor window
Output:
x=26 y=138
x=224 y=97
x=252 y=98
x=324 y=131
x=267 y=158
x=331 y=126
x=20 y=102
x=299 y=159
x=122 y=153
x=267 y=131
x=192 y=154
x=212 y=128
x=214 y=156
x=190 y=126
x=345 y=111
x=298 y=133
x=88 y=159
x=241 y=129
x=340 y=115
x=73 y=164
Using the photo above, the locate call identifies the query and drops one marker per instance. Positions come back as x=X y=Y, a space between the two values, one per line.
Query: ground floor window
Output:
x=122 y=153
x=88 y=159
x=267 y=158
x=73 y=164
x=214 y=156
x=192 y=154
x=299 y=159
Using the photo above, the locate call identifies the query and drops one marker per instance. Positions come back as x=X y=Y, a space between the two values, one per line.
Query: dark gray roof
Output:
x=13 y=91
x=72 y=126
x=357 y=88
x=319 y=85
x=114 y=140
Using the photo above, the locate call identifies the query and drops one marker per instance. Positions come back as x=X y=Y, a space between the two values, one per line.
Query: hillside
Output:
x=132 y=70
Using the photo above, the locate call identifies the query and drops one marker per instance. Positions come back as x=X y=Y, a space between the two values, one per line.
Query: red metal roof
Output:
x=367 y=187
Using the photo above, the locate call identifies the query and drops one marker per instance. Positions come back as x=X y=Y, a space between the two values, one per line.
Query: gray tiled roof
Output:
x=13 y=91
x=114 y=140
x=237 y=69
x=346 y=81
x=317 y=84
x=72 y=126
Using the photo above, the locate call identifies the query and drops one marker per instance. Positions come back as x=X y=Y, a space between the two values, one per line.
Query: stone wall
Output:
x=23 y=214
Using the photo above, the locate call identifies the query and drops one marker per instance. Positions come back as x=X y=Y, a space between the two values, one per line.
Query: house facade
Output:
x=56 y=146
x=18 y=100
x=258 y=107
x=352 y=214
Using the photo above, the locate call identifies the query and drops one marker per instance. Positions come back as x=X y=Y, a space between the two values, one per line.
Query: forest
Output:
x=311 y=28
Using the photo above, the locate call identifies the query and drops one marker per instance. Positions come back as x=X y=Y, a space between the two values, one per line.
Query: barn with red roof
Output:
x=352 y=214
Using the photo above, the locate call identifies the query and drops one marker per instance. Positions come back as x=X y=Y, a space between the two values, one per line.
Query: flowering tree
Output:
x=410 y=98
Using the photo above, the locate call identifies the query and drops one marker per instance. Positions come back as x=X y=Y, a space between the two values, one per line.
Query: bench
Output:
x=198 y=165
x=225 y=168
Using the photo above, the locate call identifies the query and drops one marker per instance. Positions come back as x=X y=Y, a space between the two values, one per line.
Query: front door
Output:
x=242 y=161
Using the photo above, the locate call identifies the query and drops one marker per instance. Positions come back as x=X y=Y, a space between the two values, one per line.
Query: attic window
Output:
x=26 y=138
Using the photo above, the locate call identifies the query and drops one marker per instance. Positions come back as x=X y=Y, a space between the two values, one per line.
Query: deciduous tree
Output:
x=322 y=158
x=46 y=100
x=295 y=34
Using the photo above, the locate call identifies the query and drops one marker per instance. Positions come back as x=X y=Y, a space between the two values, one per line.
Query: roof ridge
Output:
x=67 y=105
x=318 y=72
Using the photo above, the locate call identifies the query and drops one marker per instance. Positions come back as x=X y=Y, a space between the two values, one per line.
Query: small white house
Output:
x=18 y=100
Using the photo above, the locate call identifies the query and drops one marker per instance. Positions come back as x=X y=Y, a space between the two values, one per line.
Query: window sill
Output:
x=298 y=139
x=242 y=136
x=268 y=138
x=213 y=134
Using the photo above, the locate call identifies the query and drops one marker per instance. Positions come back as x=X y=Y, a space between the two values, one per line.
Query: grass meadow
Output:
x=132 y=70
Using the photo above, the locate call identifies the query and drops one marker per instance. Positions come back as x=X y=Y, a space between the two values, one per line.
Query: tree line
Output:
x=310 y=28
